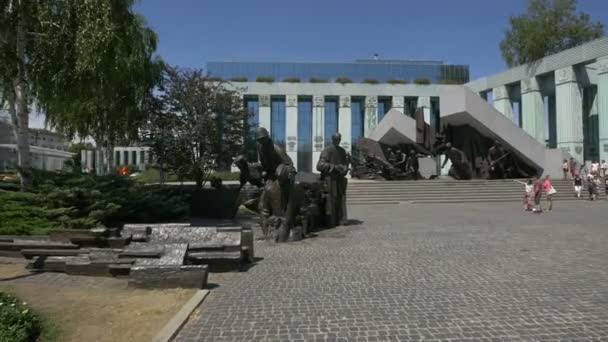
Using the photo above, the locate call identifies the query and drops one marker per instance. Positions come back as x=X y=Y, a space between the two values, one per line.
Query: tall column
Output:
x=90 y=156
x=371 y=115
x=344 y=122
x=98 y=162
x=138 y=158
x=318 y=129
x=264 y=111
x=291 y=127
x=502 y=102
x=533 y=109
x=602 y=105
x=424 y=102
x=569 y=113
x=398 y=104
x=83 y=160
x=121 y=157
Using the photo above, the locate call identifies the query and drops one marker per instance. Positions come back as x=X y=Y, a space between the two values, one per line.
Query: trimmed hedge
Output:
x=292 y=80
x=267 y=79
x=317 y=80
x=343 y=80
x=214 y=79
x=370 y=81
x=239 y=79
x=396 y=81
x=17 y=321
x=423 y=81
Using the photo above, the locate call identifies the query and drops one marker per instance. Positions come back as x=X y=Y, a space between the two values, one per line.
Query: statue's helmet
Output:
x=261 y=133
x=336 y=137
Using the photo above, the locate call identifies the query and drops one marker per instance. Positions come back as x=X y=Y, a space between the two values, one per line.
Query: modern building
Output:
x=49 y=150
x=360 y=71
x=560 y=101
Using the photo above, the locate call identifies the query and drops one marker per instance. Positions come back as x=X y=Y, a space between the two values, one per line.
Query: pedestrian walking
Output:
x=549 y=190
x=538 y=192
x=578 y=186
x=592 y=188
x=595 y=168
x=604 y=167
x=573 y=168
x=565 y=168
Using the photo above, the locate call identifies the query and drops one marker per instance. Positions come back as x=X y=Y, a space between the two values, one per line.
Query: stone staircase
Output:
x=450 y=191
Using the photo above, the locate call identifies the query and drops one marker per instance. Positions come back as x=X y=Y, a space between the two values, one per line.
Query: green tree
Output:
x=88 y=65
x=196 y=125
x=548 y=27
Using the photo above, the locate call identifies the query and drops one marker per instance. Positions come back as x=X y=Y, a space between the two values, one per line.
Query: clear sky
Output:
x=192 y=32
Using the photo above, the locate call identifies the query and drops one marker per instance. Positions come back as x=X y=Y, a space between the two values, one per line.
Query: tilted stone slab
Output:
x=142 y=250
x=54 y=263
x=197 y=236
x=173 y=254
x=167 y=276
x=18 y=245
x=66 y=235
x=30 y=253
x=217 y=261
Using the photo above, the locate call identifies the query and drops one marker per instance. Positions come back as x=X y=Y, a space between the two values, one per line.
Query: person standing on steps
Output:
x=578 y=185
x=604 y=167
x=565 y=167
x=573 y=166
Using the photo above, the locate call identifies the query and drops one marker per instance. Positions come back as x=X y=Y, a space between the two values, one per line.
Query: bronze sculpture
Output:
x=496 y=158
x=333 y=165
x=461 y=168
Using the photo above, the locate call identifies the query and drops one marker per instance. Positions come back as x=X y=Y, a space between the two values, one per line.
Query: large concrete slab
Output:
x=395 y=128
x=461 y=106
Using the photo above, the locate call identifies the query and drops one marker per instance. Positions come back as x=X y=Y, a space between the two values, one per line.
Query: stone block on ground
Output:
x=101 y=242
x=217 y=261
x=173 y=254
x=65 y=235
x=142 y=250
x=34 y=252
x=198 y=236
x=53 y=263
x=168 y=276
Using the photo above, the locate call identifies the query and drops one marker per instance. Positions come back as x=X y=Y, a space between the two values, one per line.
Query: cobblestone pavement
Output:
x=474 y=272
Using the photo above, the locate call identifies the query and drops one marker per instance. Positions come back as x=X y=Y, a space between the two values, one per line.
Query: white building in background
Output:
x=134 y=156
x=48 y=150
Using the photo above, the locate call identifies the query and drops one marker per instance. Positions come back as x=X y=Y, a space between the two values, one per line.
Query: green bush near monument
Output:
x=17 y=321
x=60 y=200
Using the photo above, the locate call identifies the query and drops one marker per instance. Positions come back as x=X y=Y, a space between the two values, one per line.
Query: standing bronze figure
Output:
x=461 y=168
x=496 y=158
x=278 y=173
x=333 y=165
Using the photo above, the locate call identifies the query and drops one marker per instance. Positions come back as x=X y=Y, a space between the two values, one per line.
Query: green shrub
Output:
x=317 y=80
x=396 y=81
x=370 y=81
x=214 y=79
x=422 y=81
x=239 y=79
x=267 y=79
x=343 y=80
x=292 y=80
x=17 y=321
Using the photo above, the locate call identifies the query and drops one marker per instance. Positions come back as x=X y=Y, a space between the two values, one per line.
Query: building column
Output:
x=264 y=111
x=138 y=158
x=98 y=161
x=502 y=102
x=83 y=160
x=398 y=104
x=424 y=102
x=291 y=127
x=121 y=157
x=371 y=115
x=318 y=129
x=90 y=156
x=344 y=122
x=569 y=113
x=602 y=105
x=532 y=109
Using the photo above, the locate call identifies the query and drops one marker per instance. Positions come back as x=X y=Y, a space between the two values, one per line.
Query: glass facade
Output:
x=411 y=104
x=384 y=105
x=277 y=120
x=331 y=118
x=357 y=110
x=380 y=70
x=305 y=134
x=253 y=108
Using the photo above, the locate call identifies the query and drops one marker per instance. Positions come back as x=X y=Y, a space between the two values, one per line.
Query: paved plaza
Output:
x=474 y=272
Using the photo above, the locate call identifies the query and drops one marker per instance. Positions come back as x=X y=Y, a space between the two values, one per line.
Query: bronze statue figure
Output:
x=278 y=174
x=461 y=168
x=496 y=158
x=413 y=165
x=333 y=165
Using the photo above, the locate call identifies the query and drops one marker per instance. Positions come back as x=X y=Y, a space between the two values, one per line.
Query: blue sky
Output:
x=192 y=32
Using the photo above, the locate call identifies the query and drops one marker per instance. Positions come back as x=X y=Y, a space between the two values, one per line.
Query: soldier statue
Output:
x=278 y=174
x=413 y=164
x=496 y=158
x=333 y=165
x=461 y=168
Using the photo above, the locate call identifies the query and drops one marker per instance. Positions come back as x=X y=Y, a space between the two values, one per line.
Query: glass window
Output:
x=133 y=158
x=117 y=158
x=305 y=134
x=357 y=110
x=331 y=118
x=410 y=103
x=126 y=156
x=253 y=108
x=277 y=120
x=384 y=105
